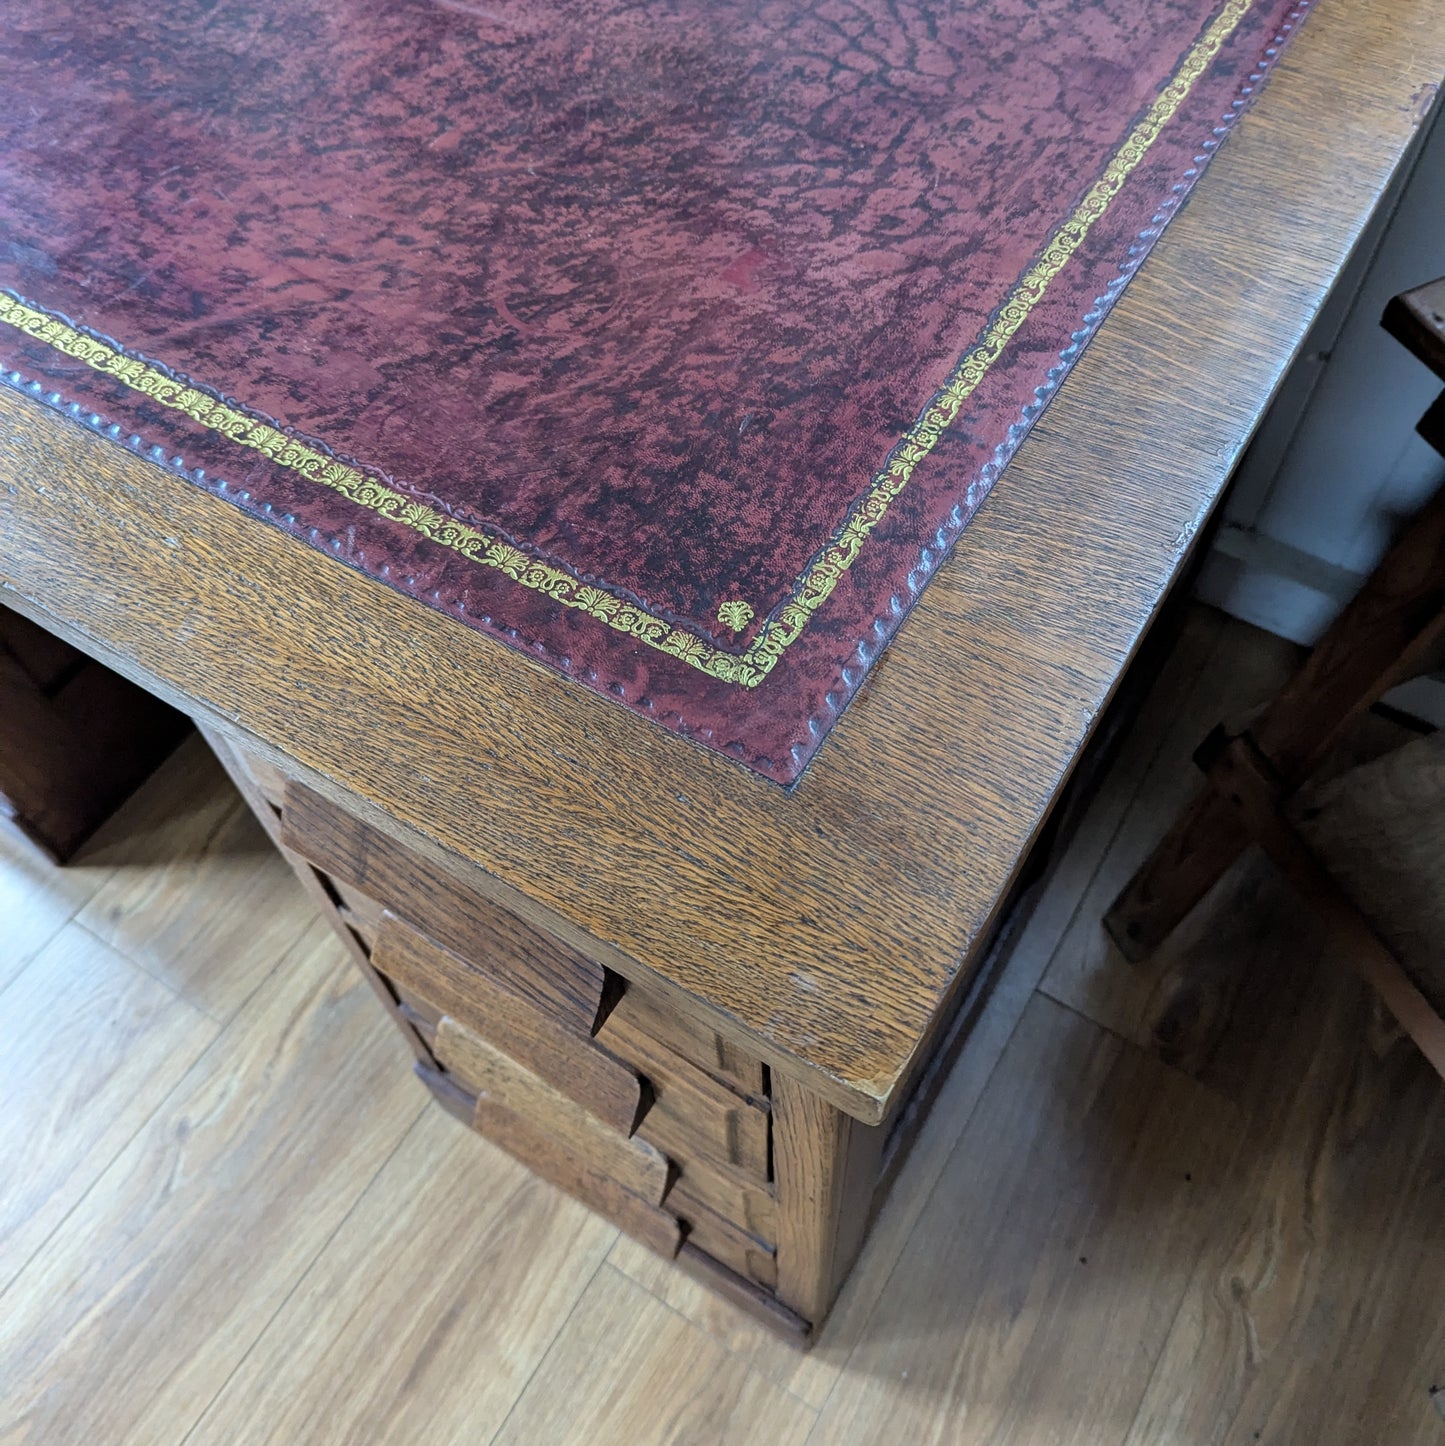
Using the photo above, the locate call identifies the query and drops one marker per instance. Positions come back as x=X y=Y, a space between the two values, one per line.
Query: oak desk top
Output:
x=827 y=927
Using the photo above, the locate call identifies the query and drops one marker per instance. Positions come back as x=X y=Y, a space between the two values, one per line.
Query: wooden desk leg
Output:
x=36 y=756
x=70 y=756
x=1392 y=631
x=826 y=1166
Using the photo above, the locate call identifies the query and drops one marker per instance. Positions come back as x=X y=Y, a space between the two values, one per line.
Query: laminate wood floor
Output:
x=1201 y=1201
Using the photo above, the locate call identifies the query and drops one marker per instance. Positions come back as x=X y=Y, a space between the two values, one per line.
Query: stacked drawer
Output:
x=596 y=1084
x=713 y=1125
x=716 y=1128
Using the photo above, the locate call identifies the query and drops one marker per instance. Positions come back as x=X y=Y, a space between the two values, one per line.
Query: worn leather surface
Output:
x=639 y=299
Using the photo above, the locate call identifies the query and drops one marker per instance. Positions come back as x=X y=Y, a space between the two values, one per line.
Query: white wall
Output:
x=1337 y=464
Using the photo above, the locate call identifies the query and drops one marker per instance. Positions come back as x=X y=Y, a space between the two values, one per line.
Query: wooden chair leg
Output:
x=1241 y=780
x=1187 y=862
x=1392 y=631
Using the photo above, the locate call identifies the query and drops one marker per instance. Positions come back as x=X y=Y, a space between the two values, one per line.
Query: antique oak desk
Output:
x=704 y=1003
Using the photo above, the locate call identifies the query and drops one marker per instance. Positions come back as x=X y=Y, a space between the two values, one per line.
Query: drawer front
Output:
x=542 y=1126
x=622 y=1033
x=269 y=780
x=433 y=982
x=693 y=1117
x=752 y=1259
x=571 y=989
x=359 y=911
x=748 y=1205
x=640 y=1016
x=527 y=1141
x=693 y=1127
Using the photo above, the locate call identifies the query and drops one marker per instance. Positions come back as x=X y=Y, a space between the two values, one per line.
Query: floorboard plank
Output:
x=89 y=1048
x=133 y=1314
x=199 y=896
x=37 y=900
x=425 y=1316
x=1085 y=972
x=625 y=1369
x=1314 y=1315
x=1032 y=1302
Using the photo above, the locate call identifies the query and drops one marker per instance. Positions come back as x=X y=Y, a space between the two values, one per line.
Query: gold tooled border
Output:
x=816 y=583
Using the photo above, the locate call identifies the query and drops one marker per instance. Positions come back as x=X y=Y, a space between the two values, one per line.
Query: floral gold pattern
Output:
x=786 y=622
x=735 y=614
x=817 y=582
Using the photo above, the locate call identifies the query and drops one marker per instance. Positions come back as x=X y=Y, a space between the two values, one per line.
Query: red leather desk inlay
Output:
x=672 y=342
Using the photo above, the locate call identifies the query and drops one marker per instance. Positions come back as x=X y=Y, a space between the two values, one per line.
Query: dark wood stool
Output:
x=1393 y=631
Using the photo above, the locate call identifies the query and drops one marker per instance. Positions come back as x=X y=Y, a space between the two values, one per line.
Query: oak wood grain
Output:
x=825 y=930
x=558 y=980
x=826 y=1165
x=570 y=1063
x=548 y=1131
x=523 y=1138
x=749 y=1205
x=641 y=1023
x=691 y=1119
x=724 y=1241
x=665 y=1049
